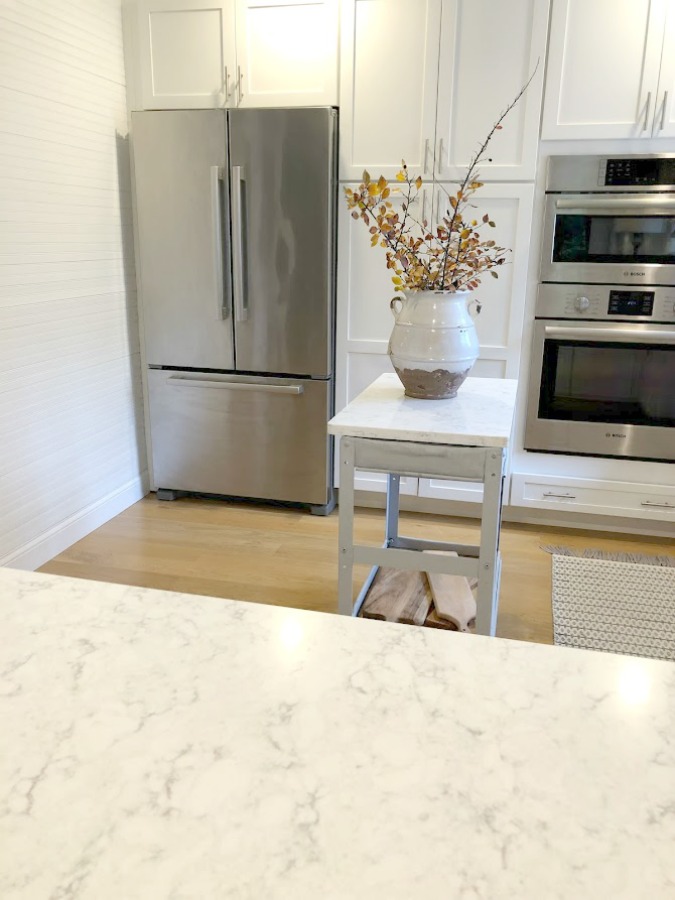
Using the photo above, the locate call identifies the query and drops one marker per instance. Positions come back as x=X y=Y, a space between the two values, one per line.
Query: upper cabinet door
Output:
x=664 y=110
x=480 y=73
x=603 y=68
x=187 y=53
x=287 y=52
x=388 y=79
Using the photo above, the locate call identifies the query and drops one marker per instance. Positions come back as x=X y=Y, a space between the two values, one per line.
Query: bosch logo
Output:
x=634 y=273
x=615 y=434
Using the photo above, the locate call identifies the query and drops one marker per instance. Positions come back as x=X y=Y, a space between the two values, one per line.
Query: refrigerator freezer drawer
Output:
x=239 y=435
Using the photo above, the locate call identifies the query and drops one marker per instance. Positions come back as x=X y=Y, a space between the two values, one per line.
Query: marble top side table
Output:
x=463 y=439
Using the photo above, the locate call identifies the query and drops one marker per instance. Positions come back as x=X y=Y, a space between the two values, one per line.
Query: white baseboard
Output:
x=48 y=545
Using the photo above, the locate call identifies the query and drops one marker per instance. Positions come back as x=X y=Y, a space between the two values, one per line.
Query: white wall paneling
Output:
x=70 y=406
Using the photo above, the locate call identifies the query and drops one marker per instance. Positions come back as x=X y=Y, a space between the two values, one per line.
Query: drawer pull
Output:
x=654 y=505
x=560 y=496
x=182 y=381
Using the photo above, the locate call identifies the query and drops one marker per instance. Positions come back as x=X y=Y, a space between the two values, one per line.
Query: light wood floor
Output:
x=289 y=558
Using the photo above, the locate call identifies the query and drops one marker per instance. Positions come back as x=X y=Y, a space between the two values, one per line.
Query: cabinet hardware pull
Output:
x=663 y=111
x=440 y=156
x=226 y=77
x=424 y=206
x=560 y=496
x=657 y=505
x=649 y=103
x=240 y=78
x=426 y=156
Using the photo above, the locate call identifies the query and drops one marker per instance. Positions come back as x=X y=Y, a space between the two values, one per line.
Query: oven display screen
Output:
x=631 y=303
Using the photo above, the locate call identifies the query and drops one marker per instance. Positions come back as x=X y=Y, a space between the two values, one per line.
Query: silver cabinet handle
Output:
x=217 y=234
x=238 y=279
x=424 y=206
x=650 y=503
x=560 y=496
x=240 y=90
x=186 y=381
x=441 y=151
x=226 y=82
x=426 y=156
x=610 y=335
x=649 y=103
x=663 y=111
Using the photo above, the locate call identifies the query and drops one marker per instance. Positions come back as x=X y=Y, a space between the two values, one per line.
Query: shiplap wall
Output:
x=71 y=442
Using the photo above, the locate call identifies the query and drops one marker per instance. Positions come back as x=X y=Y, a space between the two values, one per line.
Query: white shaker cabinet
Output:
x=287 y=52
x=425 y=80
x=388 y=81
x=603 y=73
x=664 y=113
x=187 y=55
x=488 y=51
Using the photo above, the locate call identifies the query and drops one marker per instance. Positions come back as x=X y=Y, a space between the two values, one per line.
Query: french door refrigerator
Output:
x=235 y=216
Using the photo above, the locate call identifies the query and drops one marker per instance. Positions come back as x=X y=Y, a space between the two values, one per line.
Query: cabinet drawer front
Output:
x=604 y=498
x=240 y=436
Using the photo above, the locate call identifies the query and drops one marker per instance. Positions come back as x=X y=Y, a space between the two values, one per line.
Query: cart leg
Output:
x=488 y=568
x=346 y=529
x=391 y=522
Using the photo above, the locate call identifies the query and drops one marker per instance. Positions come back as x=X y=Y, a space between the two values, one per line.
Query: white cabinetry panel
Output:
x=603 y=68
x=187 y=53
x=287 y=52
x=471 y=98
x=664 y=110
x=388 y=77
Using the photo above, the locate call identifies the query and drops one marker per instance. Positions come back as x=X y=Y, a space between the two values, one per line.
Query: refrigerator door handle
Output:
x=238 y=280
x=217 y=232
x=187 y=381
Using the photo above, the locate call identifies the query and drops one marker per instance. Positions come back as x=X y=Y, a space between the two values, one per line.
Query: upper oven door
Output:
x=606 y=239
x=604 y=389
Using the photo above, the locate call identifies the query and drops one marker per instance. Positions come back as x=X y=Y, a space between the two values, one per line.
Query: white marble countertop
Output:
x=159 y=745
x=481 y=415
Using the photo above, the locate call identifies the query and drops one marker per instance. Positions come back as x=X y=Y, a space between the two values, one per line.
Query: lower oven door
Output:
x=603 y=389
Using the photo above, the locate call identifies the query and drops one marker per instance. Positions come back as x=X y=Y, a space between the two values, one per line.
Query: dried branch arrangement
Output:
x=451 y=254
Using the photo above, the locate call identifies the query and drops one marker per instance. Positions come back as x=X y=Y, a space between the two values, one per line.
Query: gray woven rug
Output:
x=618 y=607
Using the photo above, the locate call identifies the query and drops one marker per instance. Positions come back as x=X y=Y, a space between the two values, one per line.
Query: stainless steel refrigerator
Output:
x=235 y=214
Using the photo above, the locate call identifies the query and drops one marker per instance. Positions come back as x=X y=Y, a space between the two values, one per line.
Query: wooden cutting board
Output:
x=398 y=596
x=452 y=595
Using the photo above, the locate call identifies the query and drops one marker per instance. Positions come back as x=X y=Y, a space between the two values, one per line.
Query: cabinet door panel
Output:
x=500 y=321
x=602 y=79
x=664 y=111
x=471 y=98
x=287 y=52
x=185 y=48
x=389 y=70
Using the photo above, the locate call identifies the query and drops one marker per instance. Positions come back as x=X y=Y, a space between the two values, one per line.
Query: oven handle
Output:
x=615 y=335
x=614 y=203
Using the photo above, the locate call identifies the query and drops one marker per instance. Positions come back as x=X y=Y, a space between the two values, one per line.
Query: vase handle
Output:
x=392 y=306
x=478 y=306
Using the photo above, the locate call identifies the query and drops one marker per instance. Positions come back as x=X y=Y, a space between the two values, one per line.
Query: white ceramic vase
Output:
x=434 y=343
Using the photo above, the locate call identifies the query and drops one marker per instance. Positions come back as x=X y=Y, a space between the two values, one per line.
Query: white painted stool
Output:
x=463 y=439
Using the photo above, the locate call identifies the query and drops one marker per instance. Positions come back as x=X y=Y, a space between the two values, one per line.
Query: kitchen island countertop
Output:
x=162 y=745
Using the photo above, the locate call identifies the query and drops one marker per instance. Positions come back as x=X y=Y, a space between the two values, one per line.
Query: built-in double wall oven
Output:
x=602 y=378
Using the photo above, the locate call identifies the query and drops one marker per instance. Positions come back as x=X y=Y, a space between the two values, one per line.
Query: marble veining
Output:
x=481 y=415
x=160 y=745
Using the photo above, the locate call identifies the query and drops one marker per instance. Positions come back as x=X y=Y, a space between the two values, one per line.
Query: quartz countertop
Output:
x=161 y=745
x=481 y=415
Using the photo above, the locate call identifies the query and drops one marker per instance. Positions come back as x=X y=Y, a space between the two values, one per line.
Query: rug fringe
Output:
x=610 y=555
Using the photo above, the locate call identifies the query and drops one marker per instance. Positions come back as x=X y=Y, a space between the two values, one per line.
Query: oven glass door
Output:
x=605 y=389
x=628 y=240
x=621 y=383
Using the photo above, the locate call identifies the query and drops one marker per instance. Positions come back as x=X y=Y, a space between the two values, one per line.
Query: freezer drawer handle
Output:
x=217 y=231
x=183 y=381
x=240 y=305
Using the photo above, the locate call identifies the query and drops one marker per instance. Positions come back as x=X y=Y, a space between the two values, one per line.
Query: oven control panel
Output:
x=603 y=302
